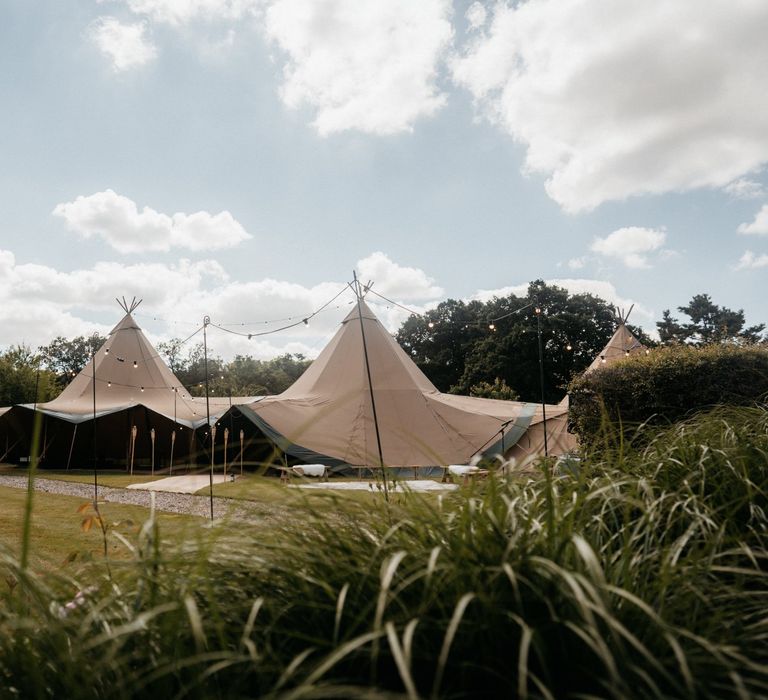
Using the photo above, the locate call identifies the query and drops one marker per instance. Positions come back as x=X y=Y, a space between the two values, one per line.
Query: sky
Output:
x=241 y=158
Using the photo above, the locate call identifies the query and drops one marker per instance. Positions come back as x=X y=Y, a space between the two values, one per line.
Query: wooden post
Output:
x=134 y=432
x=213 y=447
x=152 y=437
x=242 y=434
x=226 y=438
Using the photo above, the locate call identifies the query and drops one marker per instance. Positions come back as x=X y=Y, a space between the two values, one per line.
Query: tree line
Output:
x=487 y=349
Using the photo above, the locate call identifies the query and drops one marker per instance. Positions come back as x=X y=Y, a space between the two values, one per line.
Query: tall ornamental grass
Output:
x=644 y=575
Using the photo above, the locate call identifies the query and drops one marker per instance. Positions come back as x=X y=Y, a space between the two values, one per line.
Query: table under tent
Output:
x=126 y=398
x=363 y=403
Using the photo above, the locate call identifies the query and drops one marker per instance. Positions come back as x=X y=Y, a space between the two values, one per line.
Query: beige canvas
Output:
x=329 y=411
x=622 y=344
x=129 y=372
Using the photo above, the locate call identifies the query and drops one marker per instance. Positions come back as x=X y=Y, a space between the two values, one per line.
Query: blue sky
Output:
x=239 y=158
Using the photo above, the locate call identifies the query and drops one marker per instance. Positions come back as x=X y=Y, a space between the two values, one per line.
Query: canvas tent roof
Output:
x=622 y=343
x=130 y=372
x=327 y=414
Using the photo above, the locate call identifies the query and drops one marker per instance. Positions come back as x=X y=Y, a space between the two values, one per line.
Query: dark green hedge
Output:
x=667 y=385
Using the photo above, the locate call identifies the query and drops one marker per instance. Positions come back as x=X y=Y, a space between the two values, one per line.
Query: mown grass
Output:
x=57 y=536
x=644 y=576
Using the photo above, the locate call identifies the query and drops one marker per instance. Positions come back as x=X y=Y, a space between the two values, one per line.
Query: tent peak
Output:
x=621 y=316
x=128 y=307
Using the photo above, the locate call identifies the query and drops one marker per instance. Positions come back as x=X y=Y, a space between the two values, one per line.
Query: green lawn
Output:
x=56 y=526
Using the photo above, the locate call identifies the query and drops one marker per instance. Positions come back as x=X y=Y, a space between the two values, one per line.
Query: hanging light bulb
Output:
x=106 y=351
x=626 y=353
x=602 y=359
x=537 y=310
x=569 y=347
x=491 y=327
x=306 y=321
x=109 y=383
x=647 y=351
x=430 y=325
x=142 y=388
x=135 y=364
x=249 y=336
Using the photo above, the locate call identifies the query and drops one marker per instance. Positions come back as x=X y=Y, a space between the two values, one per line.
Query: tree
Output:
x=497 y=389
x=709 y=323
x=439 y=341
x=243 y=376
x=20 y=374
x=66 y=358
x=461 y=350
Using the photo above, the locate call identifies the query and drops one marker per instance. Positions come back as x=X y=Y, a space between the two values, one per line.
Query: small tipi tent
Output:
x=622 y=344
x=126 y=383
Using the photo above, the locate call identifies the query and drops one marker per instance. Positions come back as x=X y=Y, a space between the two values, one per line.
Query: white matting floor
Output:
x=181 y=484
x=409 y=485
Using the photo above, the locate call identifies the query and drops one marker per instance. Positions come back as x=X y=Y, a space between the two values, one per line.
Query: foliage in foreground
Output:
x=666 y=386
x=643 y=576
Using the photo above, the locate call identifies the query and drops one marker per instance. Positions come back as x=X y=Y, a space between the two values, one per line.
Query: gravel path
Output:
x=186 y=504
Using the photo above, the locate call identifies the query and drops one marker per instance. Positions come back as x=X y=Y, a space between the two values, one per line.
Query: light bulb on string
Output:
x=491 y=326
x=602 y=359
x=142 y=388
x=109 y=383
x=135 y=364
x=430 y=325
x=569 y=347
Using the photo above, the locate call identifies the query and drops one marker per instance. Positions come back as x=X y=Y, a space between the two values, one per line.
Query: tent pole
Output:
x=370 y=382
x=206 y=321
x=8 y=449
x=95 y=477
x=541 y=379
x=72 y=446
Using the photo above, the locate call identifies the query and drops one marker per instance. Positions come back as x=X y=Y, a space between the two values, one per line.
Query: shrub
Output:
x=644 y=576
x=667 y=385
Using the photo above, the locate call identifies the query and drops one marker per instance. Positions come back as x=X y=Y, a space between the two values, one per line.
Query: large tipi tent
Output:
x=126 y=383
x=362 y=379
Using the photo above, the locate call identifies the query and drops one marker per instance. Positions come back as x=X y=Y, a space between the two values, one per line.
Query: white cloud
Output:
x=393 y=280
x=577 y=263
x=631 y=245
x=759 y=226
x=476 y=15
x=38 y=302
x=126 y=45
x=117 y=220
x=177 y=12
x=365 y=65
x=599 y=288
x=750 y=261
x=618 y=99
x=744 y=188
